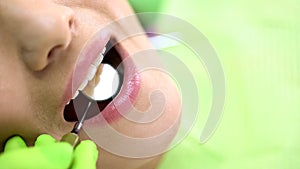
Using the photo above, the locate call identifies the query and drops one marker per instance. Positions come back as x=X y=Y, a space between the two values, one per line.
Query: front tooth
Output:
x=104 y=50
x=92 y=72
x=98 y=61
x=76 y=94
x=83 y=84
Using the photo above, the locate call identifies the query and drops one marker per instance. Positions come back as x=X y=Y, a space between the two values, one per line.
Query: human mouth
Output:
x=129 y=78
x=88 y=62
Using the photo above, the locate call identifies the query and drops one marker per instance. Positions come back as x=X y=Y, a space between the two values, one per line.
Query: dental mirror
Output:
x=107 y=87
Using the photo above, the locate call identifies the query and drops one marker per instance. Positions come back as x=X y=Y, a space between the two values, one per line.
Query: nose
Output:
x=45 y=33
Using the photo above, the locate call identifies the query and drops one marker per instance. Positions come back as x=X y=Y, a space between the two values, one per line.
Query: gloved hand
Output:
x=48 y=154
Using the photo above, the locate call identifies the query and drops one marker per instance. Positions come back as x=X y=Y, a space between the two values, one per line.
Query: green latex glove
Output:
x=48 y=154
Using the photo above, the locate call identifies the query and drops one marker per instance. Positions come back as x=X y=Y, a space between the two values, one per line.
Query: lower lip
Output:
x=122 y=102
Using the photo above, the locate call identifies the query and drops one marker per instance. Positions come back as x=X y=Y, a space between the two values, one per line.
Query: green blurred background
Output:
x=258 y=45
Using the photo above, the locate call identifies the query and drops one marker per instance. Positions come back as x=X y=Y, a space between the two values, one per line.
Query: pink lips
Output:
x=131 y=81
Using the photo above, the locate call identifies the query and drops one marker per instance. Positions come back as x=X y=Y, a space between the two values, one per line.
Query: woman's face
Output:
x=40 y=45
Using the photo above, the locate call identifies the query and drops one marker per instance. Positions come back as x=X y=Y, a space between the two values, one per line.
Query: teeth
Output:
x=92 y=72
x=104 y=50
x=83 y=84
x=75 y=95
x=98 y=61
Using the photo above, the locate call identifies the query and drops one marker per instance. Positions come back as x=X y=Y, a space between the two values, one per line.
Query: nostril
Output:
x=73 y=25
x=53 y=52
x=71 y=22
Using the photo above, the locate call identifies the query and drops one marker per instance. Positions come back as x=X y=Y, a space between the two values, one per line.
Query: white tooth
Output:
x=92 y=72
x=83 y=84
x=104 y=50
x=76 y=94
x=68 y=103
x=98 y=61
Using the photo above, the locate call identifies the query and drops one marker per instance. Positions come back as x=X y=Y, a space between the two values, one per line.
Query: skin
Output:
x=32 y=83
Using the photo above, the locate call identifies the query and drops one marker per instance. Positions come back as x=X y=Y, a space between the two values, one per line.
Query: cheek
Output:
x=12 y=87
x=14 y=99
x=16 y=113
x=18 y=116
